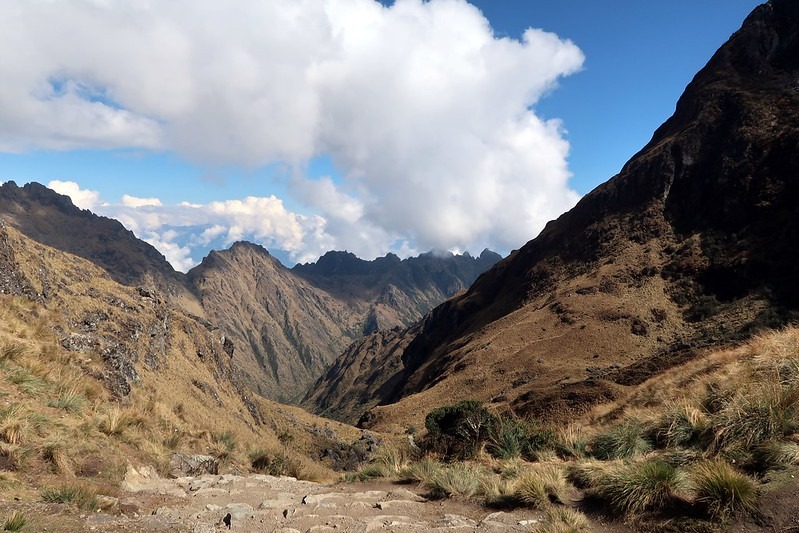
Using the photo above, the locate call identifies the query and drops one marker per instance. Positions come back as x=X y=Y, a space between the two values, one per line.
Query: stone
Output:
x=204 y=528
x=240 y=511
x=182 y=464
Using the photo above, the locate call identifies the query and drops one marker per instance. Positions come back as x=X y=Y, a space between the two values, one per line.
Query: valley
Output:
x=634 y=367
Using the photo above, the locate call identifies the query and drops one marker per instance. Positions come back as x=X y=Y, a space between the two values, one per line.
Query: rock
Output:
x=240 y=511
x=204 y=528
x=182 y=464
x=454 y=520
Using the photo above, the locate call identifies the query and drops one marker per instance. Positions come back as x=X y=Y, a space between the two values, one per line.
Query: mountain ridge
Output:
x=674 y=253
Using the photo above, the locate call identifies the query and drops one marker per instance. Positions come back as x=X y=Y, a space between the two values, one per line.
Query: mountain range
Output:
x=285 y=326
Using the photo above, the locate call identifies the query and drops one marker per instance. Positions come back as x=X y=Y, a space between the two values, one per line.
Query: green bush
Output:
x=459 y=430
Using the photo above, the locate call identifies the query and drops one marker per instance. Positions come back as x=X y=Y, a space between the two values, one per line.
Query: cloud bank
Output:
x=427 y=115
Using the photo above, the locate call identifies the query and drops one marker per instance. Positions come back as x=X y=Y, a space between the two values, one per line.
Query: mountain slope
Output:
x=290 y=324
x=51 y=219
x=691 y=244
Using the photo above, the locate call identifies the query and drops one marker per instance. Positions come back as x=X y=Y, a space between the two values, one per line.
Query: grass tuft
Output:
x=621 y=441
x=722 y=490
x=459 y=480
x=542 y=486
x=564 y=520
x=79 y=495
x=634 y=488
x=15 y=521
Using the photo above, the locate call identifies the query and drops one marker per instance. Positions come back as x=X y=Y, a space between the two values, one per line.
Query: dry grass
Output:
x=542 y=485
x=564 y=520
x=723 y=490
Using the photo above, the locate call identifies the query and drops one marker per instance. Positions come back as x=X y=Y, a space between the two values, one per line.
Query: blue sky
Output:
x=354 y=127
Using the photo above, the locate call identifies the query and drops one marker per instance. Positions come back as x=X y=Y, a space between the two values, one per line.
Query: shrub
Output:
x=637 y=487
x=458 y=430
x=621 y=441
x=722 y=490
x=564 y=520
x=15 y=521
x=273 y=463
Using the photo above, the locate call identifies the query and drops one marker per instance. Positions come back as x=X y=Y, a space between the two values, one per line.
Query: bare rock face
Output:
x=184 y=465
x=692 y=244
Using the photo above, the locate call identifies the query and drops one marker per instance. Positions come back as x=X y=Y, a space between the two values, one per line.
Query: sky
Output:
x=314 y=125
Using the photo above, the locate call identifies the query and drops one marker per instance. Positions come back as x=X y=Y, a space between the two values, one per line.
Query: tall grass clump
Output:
x=12 y=351
x=542 y=486
x=84 y=497
x=459 y=480
x=680 y=424
x=757 y=414
x=620 y=441
x=723 y=490
x=499 y=492
x=634 y=488
x=564 y=520
x=15 y=521
x=70 y=400
x=421 y=472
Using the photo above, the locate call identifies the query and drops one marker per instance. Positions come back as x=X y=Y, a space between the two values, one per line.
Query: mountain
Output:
x=290 y=324
x=51 y=219
x=691 y=245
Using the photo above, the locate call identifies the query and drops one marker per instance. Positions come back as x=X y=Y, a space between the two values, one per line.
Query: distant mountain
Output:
x=692 y=244
x=290 y=324
x=287 y=325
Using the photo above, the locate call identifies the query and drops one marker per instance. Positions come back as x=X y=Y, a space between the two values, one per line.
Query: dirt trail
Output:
x=260 y=503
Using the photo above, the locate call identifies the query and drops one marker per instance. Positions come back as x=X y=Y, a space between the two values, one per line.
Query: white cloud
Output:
x=427 y=114
x=133 y=201
x=83 y=198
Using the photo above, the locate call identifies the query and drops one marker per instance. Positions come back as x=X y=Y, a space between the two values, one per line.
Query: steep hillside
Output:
x=50 y=218
x=691 y=244
x=96 y=375
x=290 y=324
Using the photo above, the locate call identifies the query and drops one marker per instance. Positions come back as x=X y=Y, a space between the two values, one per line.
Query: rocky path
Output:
x=260 y=503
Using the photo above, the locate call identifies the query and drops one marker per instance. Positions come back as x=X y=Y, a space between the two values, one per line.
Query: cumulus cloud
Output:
x=185 y=232
x=426 y=113
x=133 y=201
x=83 y=198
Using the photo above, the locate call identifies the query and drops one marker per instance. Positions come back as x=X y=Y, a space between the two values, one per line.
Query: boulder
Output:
x=181 y=465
